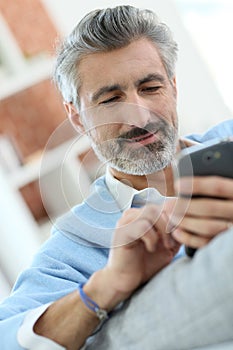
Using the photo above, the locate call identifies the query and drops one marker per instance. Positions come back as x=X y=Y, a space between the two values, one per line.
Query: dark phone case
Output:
x=216 y=159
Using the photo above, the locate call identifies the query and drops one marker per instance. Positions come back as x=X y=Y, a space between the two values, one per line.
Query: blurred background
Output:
x=34 y=135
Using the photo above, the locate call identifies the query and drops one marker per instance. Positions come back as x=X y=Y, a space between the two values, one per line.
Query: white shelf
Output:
x=17 y=72
x=48 y=162
x=34 y=72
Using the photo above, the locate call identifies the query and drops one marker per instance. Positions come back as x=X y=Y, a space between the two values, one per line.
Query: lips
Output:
x=142 y=138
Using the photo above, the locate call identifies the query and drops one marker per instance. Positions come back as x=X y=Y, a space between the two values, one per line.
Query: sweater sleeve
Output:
x=30 y=340
x=57 y=269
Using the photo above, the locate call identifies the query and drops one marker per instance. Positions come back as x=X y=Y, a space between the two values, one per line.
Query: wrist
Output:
x=102 y=291
x=91 y=304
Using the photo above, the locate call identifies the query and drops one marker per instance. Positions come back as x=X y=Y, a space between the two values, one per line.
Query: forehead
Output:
x=120 y=66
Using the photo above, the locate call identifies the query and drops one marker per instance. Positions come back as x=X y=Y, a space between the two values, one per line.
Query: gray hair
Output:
x=107 y=30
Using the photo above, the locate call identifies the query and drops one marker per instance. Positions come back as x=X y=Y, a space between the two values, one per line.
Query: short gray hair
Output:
x=106 y=30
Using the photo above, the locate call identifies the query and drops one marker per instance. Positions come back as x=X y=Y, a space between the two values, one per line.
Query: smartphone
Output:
x=214 y=158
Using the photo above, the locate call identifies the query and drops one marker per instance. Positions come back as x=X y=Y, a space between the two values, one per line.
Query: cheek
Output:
x=168 y=108
x=104 y=132
x=174 y=112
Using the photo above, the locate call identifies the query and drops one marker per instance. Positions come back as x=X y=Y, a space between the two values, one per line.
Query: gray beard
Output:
x=143 y=160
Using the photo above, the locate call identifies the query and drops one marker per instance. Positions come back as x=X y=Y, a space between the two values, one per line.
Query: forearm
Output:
x=69 y=322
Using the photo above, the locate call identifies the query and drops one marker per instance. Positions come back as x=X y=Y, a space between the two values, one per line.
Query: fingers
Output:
x=128 y=216
x=197 y=227
x=203 y=216
x=147 y=223
x=130 y=232
x=150 y=240
x=213 y=186
x=196 y=220
x=188 y=239
x=175 y=209
x=151 y=213
x=200 y=207
x=204 y=227
x=222 y=209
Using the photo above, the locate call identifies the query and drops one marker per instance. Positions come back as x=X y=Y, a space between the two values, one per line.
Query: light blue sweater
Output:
x=77 y=248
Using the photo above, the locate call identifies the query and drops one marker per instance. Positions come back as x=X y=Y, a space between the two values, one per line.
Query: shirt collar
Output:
x=125 y=194
x=122 y=193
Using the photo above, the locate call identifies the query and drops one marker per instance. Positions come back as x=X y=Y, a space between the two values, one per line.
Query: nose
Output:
x=137 y=111
x=138 y=116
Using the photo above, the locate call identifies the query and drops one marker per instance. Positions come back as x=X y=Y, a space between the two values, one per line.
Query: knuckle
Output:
x=154 y=212
x=183 y=222
x=209 y=229
x=150 y=209
x=143 y=226
x=155 y=207
x=219 y=185
x=206 y=228
x=218 y=189
x=128 y=212
x=195 y=241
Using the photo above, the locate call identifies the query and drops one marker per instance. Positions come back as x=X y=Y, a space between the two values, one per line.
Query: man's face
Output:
x=128 y=108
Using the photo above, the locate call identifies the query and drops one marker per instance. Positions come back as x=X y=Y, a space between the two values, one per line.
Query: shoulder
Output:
x=92 y=221
x=221 y=130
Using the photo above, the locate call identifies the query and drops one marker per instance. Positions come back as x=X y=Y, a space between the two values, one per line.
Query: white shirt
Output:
x=124 y=196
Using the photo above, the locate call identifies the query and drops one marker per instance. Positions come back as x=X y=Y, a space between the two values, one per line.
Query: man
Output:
x=116 y=72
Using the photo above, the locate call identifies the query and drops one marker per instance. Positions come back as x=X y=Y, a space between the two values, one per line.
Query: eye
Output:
x=110 y=100
x=151 y=88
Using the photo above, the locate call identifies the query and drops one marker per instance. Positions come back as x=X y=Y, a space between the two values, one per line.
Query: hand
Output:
x=140 y=249
x=203 y=217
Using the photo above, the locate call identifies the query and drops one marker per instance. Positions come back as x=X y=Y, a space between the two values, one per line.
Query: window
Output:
x=211 y=26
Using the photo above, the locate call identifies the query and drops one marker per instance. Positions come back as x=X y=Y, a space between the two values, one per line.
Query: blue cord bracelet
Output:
x=91 y=305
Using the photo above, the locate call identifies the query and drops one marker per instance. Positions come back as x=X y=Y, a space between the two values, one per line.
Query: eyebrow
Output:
x=151 y=77
x=109 y=88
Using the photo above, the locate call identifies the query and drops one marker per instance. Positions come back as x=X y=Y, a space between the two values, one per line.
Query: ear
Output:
x=74 y=117
x=174 y=86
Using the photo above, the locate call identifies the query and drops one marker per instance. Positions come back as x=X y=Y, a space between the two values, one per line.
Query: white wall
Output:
x=19 y=234
x=5 y=286
x=200 y=104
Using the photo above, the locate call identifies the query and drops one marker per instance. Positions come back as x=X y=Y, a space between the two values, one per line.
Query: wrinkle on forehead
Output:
x=119 y=67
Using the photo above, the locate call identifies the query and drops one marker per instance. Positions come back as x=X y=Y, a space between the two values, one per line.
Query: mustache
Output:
x=137 y=132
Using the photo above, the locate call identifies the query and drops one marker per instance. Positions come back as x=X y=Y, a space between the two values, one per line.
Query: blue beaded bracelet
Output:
x=100 y=313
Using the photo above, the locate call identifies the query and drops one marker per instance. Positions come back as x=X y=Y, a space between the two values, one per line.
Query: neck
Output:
x=161 y=180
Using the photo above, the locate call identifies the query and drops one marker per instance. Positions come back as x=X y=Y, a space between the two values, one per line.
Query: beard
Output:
x=121 y=154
